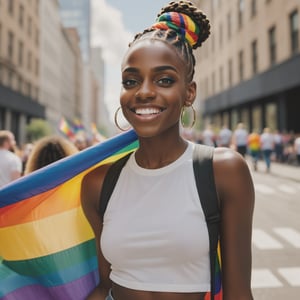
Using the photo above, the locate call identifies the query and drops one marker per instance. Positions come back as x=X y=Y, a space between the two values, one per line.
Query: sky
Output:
x=114 y=24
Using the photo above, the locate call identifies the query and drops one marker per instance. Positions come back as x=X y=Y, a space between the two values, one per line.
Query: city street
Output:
x=276 y=233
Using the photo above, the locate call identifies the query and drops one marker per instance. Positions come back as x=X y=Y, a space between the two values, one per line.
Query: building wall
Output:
x=19 y=64
x=50 y=37
x=67 y=68
x=226 y=46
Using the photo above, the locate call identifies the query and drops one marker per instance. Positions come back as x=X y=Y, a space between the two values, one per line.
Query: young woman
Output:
x=152 y=242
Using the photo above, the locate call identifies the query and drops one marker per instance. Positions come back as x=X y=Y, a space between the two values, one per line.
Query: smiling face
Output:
x=154 y=88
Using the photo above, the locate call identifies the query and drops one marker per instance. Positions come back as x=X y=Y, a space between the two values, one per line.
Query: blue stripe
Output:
x=58 y=172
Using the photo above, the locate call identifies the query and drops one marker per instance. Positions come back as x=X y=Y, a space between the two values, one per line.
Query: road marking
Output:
x=291 y=275
x=287 y=189
x=264 y=241
x=264 y=189
x=289 y=234
x=264 y=278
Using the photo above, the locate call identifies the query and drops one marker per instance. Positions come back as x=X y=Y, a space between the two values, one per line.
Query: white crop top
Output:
x=154 y=230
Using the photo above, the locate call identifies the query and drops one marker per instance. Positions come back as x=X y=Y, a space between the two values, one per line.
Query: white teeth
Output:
x=147 y=111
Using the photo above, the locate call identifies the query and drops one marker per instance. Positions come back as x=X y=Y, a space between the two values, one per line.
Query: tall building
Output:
x=77 y=13
x=19 y=65
x=248 y=70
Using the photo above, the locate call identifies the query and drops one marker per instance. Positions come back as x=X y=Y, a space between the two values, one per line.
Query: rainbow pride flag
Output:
x=46 y=244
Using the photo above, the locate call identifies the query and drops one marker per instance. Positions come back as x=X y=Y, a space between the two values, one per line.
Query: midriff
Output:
x=122 y=293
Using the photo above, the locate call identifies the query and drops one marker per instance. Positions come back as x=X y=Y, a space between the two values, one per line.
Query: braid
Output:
x=172 y=37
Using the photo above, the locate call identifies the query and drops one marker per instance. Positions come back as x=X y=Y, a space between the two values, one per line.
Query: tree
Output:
x=38 y=128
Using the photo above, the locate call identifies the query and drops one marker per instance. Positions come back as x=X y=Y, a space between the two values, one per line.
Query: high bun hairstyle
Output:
x=182 y=25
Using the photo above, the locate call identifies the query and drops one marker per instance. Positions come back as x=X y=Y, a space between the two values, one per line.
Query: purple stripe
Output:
x=76 y=290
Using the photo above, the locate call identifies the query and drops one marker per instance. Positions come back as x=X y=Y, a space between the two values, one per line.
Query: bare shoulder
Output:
x=91 y=186
x=232 y=174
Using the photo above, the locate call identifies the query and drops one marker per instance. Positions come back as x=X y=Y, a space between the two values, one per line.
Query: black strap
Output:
x=205 y=182
x=110 y=181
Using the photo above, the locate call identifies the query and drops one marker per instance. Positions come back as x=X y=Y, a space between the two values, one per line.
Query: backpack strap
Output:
x=205 y=182
x=110 y=181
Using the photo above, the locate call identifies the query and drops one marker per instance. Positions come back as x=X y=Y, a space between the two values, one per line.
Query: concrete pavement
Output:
x=283 y=170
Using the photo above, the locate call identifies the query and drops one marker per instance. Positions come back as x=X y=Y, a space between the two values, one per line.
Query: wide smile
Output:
x=147 y=113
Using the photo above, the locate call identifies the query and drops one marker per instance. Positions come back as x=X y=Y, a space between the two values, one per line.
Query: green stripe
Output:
x=54 y=262
x=130 y=147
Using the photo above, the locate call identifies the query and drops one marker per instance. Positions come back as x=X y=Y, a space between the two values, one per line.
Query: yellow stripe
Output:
x=45 y=236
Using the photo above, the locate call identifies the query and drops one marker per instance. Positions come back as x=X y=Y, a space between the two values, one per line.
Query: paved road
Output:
x=276 y=233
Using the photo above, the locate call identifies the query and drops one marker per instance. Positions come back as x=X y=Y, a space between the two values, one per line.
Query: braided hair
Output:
x=182 y=25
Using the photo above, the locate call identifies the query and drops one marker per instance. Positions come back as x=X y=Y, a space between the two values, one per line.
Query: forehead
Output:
x=151 y=53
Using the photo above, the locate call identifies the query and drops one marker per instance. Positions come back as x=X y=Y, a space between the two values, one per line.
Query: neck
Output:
x=158 y=152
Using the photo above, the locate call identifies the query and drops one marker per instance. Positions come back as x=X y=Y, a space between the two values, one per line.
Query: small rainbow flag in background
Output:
x=66 y=128
x=47 y=246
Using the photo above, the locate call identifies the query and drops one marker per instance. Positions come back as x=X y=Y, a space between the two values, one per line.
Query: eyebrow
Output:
x=156 y=69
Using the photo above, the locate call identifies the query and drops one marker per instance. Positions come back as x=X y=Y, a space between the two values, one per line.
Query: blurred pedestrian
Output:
x=48 y=150
x=240 y=139
x=278 y=146
x=10 y=163
x=224 y=137
x=297 y=148
x=208 y=136
x=254 y=148
x=267 y=147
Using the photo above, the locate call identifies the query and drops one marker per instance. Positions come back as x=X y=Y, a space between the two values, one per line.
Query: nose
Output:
x=146 y=91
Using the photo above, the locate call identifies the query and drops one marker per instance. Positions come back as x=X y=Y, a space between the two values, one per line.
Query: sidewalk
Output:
x=283 y=170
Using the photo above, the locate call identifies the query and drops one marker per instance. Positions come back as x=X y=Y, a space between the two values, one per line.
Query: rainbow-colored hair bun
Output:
x=181 y=23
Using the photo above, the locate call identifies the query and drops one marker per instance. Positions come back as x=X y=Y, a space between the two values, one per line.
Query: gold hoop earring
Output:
x=182 y=117
x=116 y=120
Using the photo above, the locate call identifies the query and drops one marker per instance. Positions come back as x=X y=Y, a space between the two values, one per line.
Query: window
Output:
x=29 y=57
x=294 y=31
x=230 y=72
x=221 y=78
x=10 y=46
x=20 y=84
x=10 y=7
x=241 y=65
x=253 y=8
x=221 y=35
x=272 y=45
x=21 y=15
x=229 y=25
x=254 y=56
x=240 y=12
x=20 y=56
x=29 y=26
x=36 y=67
x=213 y=83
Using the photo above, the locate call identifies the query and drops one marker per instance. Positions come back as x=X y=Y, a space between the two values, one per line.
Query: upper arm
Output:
x=236 y=194
x=90 y=195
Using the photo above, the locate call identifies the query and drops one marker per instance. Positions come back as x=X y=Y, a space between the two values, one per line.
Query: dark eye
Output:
x=127 y=83
x=165 y=81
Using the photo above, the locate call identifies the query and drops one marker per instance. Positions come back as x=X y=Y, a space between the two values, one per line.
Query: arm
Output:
x=236 y=194
x=90 y=195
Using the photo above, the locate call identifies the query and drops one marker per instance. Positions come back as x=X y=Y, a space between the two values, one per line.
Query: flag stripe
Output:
x=46 y=236
x=21 y=287
x=63 y=259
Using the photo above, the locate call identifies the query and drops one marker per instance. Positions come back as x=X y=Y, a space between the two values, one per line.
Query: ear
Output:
x=191 y=93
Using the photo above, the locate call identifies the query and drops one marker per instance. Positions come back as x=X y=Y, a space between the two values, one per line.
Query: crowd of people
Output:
x=19 y=161
x=268 y=145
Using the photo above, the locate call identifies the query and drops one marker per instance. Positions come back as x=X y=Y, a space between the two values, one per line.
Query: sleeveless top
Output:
x=154 y=230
